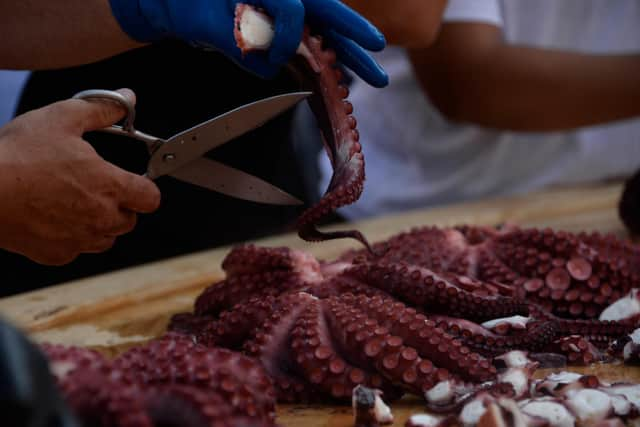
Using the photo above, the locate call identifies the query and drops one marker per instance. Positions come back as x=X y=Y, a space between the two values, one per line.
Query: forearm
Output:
x=39 y=34
x=529 y=89
x=408 y=23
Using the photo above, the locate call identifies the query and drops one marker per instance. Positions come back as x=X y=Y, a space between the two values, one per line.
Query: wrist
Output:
x=135 y=20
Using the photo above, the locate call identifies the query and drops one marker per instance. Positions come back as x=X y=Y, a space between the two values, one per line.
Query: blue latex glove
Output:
x=209 y=23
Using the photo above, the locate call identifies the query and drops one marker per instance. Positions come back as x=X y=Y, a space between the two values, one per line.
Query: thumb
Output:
x=97 y=113
x=137 y=193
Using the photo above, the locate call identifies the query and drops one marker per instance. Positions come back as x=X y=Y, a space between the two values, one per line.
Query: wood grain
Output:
x=113 y=311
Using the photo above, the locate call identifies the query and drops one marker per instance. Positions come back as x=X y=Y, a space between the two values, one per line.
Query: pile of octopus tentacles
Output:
x=459 y=317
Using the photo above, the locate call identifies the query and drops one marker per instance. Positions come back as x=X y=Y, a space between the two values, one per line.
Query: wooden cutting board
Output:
x=113 y=311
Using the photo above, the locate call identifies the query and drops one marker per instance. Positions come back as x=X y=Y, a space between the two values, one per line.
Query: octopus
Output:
x=170 y=381
x=428 y=312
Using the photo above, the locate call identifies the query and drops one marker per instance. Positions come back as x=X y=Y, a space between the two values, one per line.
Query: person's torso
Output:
x=409 y=145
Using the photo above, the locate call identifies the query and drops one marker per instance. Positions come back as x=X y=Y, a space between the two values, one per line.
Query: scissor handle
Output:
x=114 y=96
x=127 y=128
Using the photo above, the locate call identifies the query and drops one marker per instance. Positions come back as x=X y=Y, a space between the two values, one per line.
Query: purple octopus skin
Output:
x=315 y=68
x=170 y=381
x=432 y=311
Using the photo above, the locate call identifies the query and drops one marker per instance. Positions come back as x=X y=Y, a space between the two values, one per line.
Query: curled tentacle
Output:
x=316 y=68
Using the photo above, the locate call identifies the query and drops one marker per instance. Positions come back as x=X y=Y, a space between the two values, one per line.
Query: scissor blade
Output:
x=186 y=146
x=224 y=179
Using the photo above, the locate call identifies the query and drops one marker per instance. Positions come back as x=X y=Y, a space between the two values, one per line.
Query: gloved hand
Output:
x=209 y=23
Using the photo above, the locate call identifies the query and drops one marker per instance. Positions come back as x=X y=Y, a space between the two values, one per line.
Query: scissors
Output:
x=182 y=155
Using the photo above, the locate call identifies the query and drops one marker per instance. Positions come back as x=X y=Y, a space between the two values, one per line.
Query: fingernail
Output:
x=127 y=93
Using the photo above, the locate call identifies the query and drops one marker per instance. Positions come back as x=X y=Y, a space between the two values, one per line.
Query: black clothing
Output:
x=176 y=87
x=29 y=396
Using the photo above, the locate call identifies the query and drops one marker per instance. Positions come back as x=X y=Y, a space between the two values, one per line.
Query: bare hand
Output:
x=58 y=197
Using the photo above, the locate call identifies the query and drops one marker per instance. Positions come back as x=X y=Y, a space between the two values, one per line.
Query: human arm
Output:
x=60 y=198
x=38 y=34
x=407 y=23
x=471 y=75
x=51 y=34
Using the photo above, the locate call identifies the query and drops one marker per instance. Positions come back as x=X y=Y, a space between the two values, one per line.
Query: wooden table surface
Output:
x=113 y=311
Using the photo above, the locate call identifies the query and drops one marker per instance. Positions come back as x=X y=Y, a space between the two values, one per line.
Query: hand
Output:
x=209 y=23
x=59 y=197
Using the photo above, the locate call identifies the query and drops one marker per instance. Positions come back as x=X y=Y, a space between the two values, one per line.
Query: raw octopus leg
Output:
x=315 y=67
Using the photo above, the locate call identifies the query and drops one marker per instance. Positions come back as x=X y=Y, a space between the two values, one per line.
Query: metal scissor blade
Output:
x=186 y=146
x=224 y=179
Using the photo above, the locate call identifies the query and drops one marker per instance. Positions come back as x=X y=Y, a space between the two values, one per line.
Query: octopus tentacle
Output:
x=92 y=394
x=65 y=361
x=96 y=399
x=270 y=345
x=234 y=326
x=432 y=291
x=184 y=406
x=600 y=332
x=342 y=144
x=316 y=67
x=423 y=335
x=578 y=350
x=568 y=274
x=176 y=359
x=344 y=284
x=170 y=382
x=251 y=259
x=381 y=351
x=237 y=289
x=537 y=335
x=189 y=323
x=321 y=362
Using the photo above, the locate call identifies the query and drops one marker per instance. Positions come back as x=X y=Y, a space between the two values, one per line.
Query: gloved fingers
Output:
x=289 y=25
x=357 y=59
x=336 y=16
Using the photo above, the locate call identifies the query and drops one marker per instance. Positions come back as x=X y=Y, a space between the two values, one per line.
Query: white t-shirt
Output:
x=414 y=157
